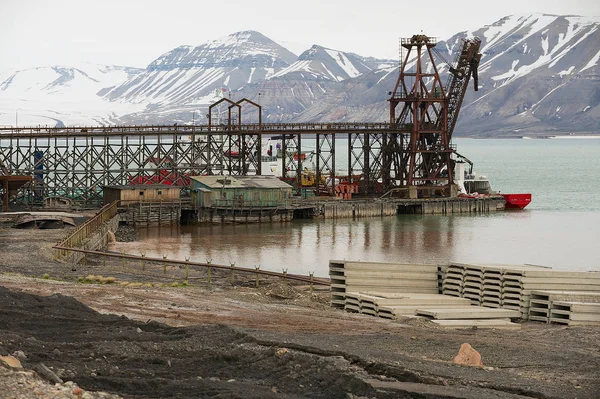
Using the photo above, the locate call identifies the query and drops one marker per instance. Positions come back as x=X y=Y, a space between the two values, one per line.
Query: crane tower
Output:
x=426 y=111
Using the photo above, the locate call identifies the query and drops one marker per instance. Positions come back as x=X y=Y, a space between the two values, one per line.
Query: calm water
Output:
x=560 y=228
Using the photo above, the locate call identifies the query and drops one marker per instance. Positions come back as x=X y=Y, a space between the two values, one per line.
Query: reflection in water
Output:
x=562 y=240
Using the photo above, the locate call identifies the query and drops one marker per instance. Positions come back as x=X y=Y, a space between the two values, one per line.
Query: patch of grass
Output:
x=93 y=279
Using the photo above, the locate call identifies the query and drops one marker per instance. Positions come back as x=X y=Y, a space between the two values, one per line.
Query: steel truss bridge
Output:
x=77 y=161
x=412 y=149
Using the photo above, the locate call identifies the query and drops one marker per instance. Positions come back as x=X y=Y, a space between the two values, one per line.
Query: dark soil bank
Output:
x=114 y=354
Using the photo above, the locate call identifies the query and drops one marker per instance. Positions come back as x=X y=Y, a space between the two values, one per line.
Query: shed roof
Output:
x=226 y=182
x=143 y=187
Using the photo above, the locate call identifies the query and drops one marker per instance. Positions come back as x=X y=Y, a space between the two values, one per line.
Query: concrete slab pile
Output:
x=542 y=304
x=454 y=280
x=575 y=313
x=468 y=313
x=518 y=284
x=510 y=286
x=391 y=306
x=349 y=276
x=472 y=316
x=444 y=310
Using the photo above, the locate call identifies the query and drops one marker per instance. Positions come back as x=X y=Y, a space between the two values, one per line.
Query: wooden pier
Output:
x=361 y=208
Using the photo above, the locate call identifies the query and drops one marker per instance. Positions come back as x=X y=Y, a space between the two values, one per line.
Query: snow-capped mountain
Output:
x=188 y=78
x=323 y=63
x=538 y=74
x=187 y=74
x=311 y=84
x=49 y=96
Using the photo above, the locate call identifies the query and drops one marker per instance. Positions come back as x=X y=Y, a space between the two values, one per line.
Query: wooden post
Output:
x=187 y=268
x=232 y=274
x=311 y=281
x=284 y=274
x=143 y=262
x=208 y=271
x=165 y=264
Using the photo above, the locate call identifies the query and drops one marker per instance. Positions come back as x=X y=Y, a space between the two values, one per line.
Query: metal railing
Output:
x=88 y=228
x=144 y=260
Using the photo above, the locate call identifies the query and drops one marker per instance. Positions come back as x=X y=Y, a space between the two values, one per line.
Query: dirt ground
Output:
x=143 y=336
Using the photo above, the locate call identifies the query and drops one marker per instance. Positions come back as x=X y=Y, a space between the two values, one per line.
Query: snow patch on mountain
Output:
x=593 y=62
x=342 y=60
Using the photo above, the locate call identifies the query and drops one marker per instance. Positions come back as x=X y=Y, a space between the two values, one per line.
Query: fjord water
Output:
x=560 y=228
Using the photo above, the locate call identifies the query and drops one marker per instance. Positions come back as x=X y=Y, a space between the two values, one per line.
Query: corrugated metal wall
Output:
x=237 y=197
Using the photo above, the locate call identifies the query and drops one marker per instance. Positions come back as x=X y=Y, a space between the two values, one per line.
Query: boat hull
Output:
x=516 y=201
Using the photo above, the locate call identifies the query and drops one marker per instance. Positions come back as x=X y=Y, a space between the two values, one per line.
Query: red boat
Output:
x=516 y=201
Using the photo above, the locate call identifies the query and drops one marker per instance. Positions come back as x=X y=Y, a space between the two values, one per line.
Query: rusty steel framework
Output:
x=426 y=111
x=76 y=162
x=413 y=149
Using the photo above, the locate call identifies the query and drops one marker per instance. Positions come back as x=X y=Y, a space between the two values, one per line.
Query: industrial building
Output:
x=241 y=199
x=134 y=194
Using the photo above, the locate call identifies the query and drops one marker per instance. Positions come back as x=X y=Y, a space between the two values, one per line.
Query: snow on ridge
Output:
x=229 y=40
x=343 y=62
x=534 y=23
x=572 y=32
x=534 y=27
x=302 y=65
x=566 y=72
x=593 y=62
x=508 y=74
x=584 y=20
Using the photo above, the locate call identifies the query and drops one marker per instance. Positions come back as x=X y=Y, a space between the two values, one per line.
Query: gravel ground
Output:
x=26 y=384
x=223 y=340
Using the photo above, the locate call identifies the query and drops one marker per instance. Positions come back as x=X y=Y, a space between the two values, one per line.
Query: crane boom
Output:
x=467 y=63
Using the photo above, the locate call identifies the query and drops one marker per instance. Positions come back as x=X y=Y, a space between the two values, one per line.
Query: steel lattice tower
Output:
x=418 y=105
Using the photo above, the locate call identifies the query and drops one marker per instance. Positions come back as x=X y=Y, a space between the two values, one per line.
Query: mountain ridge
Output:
x=538 y=73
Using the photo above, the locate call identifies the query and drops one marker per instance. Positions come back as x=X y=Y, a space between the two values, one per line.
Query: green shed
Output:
x=240 y=192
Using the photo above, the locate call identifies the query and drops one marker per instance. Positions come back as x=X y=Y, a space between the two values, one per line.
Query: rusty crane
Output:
x=426 y=111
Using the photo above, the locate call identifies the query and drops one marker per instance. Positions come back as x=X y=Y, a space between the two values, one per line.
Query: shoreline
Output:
x=376 y=358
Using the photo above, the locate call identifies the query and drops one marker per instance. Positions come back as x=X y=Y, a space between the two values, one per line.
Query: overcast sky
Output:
x=135 y=32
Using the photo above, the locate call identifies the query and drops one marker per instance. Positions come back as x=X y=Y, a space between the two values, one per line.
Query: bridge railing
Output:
x=83 y=232
x=184 y=130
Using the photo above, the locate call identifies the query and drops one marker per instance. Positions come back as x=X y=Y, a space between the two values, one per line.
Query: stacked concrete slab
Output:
x=510 y=286
x=392 y=306
x=575 y=313
x=518 y=284
x=564 y=307
x=350 y=276
x=472 y=316
x=444 y=310
x=453 y=280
